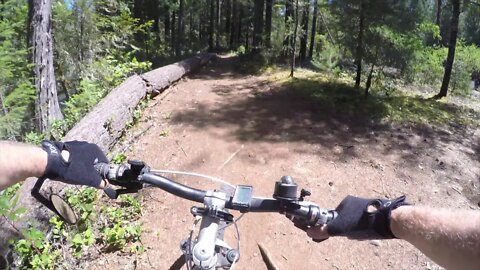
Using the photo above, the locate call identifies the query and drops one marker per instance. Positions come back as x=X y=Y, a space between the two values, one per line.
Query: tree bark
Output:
x=217 y=22
x=3 y=110
x=288 y=15
x=268 y=23
x=292 y=64
x=369 y=80
x=232 y=43
x=451 y=48
x=258 y=24
x=314 y=29
x=211 y=27
x=191 y=27
x=304 y=27
x=47 y=108
x=437 y=18
x=228 y=16
x=359 y=53
x=180 y=29
x=166 y=24
x=439 y=13
x=173 y=32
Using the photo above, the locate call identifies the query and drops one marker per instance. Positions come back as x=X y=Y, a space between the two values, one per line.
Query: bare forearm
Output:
x=19 y=161
x=450 y=238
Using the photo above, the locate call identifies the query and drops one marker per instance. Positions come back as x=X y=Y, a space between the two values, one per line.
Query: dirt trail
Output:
x=245 y=130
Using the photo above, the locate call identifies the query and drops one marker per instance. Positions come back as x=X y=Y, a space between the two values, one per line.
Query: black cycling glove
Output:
x=78 y=170
x=356 y=222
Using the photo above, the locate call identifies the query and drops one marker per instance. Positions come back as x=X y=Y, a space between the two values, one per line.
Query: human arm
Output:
x=19 y=161
x=451 y=238
x=70 y=162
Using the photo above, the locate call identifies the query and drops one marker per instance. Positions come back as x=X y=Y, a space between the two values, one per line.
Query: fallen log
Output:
x=103 y=125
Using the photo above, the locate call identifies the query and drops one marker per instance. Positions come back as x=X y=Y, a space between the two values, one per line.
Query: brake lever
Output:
x=304 y=227
x=124 y=176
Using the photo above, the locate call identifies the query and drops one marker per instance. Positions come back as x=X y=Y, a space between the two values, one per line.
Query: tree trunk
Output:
x=292 y=64
x=437 y=19
x=247 y=32
x=258 y=24
x=239 y=27
x=211 y=28
x=228 y=16
x=47 y=108
x=288 y=15
x=451 y=48
x=268 y=23
x=359 y=53
x=166 y=23
x=191 y=28
x=233 y=24
x=3 y=110
x=173 y=33
x=304 y=27
x=314 y=29
x=439 y=13
x=369 y=80
x=180 y=29
x=217 y=22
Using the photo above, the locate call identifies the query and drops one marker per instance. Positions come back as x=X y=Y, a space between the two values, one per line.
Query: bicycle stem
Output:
x=203 y=252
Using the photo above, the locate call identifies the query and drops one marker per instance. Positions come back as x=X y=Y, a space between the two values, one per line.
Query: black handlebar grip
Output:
x=102 y=169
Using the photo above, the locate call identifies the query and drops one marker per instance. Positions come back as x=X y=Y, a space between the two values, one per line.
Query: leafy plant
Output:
x=34 y=251
x=119 y=158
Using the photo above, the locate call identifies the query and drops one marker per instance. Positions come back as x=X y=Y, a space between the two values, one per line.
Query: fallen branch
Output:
x=267 y=258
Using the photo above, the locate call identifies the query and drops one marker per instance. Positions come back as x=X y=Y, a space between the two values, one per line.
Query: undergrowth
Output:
x=336 y=97
x=102 y=227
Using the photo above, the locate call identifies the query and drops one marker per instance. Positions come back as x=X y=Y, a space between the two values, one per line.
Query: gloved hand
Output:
x=78 y=169
x=360 y=218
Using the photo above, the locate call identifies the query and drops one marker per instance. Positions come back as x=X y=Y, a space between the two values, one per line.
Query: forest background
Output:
x=59 y=58
x=98 y=43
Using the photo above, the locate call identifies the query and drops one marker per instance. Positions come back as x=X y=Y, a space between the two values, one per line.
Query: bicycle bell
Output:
x=285 y=189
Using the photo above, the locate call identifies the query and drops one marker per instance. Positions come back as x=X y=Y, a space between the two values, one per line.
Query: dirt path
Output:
x=244 y=130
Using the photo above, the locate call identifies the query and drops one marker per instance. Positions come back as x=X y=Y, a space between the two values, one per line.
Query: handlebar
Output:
x=174 y=188
x=303 y=213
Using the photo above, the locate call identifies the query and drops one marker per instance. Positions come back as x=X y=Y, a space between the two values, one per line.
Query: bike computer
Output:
x=241 y=198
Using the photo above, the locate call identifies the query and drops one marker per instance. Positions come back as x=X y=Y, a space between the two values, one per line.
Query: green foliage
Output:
x=17 y=94
x=328 y=55
x=138 y=112
x=470 y=24
x=338 y=99
x=114 y=227
x=34 y=138
x=34 y=251
x=119 y=158
x=428 y=67
x=8 y=204
x=118 y=230
x=467 y=60
x=240 y=50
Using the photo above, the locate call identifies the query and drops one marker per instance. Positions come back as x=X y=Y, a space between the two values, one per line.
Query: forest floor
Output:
x=252 y=130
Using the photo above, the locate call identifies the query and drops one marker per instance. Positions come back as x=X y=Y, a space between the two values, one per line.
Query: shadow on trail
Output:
x=330 y=115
